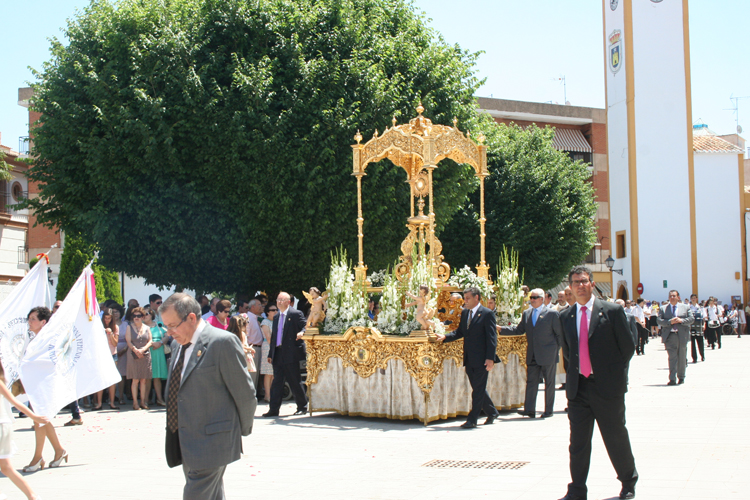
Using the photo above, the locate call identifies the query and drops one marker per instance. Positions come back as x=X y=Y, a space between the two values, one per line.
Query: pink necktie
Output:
x=583 y=345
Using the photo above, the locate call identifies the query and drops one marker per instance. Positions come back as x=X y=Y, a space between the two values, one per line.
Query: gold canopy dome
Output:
x=418 y=147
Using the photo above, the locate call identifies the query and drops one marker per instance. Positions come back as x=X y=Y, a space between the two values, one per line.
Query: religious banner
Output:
x=70 y=358
x=31 y=292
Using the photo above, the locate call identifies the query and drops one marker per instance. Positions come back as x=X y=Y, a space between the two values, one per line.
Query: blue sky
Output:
x=528 y=46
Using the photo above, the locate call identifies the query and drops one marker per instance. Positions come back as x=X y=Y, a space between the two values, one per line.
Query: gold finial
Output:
x=420 y=108
x=455 y=122
x=376 y=133
x=481 y=138
x=358 y=137
x=394 y=120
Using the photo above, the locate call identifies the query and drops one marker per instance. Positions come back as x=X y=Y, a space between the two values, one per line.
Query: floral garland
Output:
x=465 y=278
x=347 y=303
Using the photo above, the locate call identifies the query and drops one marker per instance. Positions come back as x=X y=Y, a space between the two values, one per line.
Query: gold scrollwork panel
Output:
x=366 y=350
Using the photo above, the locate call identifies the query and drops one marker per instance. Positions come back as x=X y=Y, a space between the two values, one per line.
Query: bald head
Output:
x=282 y=301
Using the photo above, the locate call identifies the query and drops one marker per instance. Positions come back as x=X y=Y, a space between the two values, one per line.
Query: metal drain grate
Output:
x=473 y=464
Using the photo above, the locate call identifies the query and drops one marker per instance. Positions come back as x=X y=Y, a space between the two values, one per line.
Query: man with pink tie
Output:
x=598 y=346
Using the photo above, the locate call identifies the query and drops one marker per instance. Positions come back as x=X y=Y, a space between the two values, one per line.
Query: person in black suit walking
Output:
x=598 y=345
x=543 y=338
x=478 y=329
x=287 y=349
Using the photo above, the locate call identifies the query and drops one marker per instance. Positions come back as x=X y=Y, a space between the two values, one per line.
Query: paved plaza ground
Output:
x=690 y=442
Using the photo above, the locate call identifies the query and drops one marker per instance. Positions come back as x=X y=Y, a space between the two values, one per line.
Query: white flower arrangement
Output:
x=464 y=278
x=347 y=304
x=509 y=303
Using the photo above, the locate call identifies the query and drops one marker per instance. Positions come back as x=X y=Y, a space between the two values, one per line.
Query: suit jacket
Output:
x=610 y=348
x=683 y=329
x=480 y=338
x=633 y=324
x=291 y=349
x=216 y=401
x=543 y=339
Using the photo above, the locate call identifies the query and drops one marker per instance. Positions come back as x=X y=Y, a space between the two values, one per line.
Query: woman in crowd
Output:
x=221 y=318
x=712 y=322
x=113 y=336
x=6 y=436
x=741 y=320
x=122 y=347
x=37 y=318
x=238 y=326
x=654 y=315
x=732 y=317
x=158 y=359
x=266 y=369
x=138 y=337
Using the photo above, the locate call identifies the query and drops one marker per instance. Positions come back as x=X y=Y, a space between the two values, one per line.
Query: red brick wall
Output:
x=39 y=236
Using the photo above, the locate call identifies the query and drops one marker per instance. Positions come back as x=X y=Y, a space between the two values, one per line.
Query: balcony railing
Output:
x=24 y=145
x=23 y=255
x=7 y=205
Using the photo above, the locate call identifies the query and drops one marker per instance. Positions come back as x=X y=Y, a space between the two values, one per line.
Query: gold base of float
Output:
x=366 y=350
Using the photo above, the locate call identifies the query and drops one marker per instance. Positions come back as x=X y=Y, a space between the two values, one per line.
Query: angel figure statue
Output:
x=424 y=314
x=318 y=309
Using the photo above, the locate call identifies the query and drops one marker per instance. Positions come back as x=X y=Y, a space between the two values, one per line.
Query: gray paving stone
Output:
x=690 y=442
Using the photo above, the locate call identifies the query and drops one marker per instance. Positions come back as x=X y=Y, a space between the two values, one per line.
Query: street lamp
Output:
x=610 y=263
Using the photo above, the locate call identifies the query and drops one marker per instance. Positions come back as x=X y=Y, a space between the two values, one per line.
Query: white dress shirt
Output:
x=254 y=333
x=190 y=348
x=589 y=306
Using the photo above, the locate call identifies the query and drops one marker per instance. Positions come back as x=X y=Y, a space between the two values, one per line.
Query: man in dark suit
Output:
x=286 y=351
x=598 y=345
x=477 y=328
x=543 y=339
x=210 y=398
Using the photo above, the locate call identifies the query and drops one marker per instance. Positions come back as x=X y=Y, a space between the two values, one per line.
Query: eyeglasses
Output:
x=534 y=297
x=272 y=310
x=138 y=315
x=158 y=303
x=580 y=282
x=168 y=327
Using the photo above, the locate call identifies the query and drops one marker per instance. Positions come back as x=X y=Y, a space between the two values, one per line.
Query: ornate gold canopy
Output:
x=418 y=147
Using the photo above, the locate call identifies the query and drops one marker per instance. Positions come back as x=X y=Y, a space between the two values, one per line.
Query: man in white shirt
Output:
x=640 y=318
x=211 y=311
x=255 y=335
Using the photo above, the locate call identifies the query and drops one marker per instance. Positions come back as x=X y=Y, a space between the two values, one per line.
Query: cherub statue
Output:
x=424 y=314
x=318 y=309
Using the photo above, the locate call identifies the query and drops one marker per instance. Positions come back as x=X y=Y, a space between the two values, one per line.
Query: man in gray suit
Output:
x=210 y=399
x=543 y=338
x=675 y=319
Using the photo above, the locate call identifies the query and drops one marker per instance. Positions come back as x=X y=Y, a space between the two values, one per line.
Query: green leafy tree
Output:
x=76 y=256
x=538 y=202
x=206 y=143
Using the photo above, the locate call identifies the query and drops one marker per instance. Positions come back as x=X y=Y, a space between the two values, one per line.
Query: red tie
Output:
x=583 y=345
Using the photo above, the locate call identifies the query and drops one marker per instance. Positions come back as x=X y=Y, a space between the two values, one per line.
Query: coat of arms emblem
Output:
x=615 y=51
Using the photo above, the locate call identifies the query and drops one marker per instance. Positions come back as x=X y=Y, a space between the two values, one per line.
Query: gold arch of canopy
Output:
x=418 y=147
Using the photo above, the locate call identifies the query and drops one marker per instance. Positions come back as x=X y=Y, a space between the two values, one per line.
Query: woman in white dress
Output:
x=266 y=369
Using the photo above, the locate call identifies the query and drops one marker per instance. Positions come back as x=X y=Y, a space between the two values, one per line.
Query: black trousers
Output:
x=696 y=340
x=609 y=415
x=281 y=373
x=480 y=400
x=642 y=340
x=533 y=374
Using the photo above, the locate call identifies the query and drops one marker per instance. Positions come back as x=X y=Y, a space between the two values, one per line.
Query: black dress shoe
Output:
x=271 y=414
x=490 y=420
x=672 y=382
x=529 y=414
x=681 y=381
x=546 y=415
x=468 y=425
x=301 y=412
x=627 y=492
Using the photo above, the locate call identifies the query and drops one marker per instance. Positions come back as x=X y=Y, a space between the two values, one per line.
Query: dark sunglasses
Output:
x=138 y=315
x=534 y=297
x=272 y=310
x=158 y=303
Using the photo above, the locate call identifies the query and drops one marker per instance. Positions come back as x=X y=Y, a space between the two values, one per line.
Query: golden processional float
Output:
x=411 y=377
